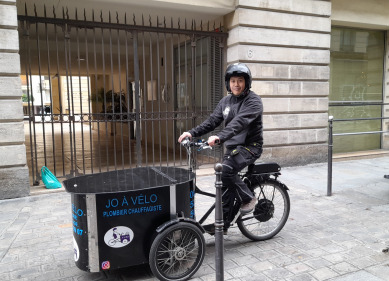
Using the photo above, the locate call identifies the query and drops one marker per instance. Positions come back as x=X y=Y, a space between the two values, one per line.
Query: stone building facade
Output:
x=14 y=178
x=287 y=45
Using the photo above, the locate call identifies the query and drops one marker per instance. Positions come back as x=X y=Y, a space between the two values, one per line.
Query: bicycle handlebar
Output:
x=187 y=143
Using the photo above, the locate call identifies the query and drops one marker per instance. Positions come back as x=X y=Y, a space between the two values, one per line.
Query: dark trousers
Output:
x=234 y=160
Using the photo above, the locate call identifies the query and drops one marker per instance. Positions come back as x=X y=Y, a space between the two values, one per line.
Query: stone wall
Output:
x=286 y=46
x=14 y=177
x=360 y=13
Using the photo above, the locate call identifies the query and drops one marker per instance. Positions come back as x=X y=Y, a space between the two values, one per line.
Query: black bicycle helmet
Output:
x=238 y=69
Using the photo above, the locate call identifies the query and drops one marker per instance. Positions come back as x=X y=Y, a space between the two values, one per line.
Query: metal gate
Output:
x=103 y=95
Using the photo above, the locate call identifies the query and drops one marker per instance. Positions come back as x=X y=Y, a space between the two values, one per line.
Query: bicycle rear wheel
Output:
x=270 y=214
x=177 y=252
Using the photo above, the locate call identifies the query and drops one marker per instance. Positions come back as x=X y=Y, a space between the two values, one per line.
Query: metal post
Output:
x=330 y=146
x=219 y=247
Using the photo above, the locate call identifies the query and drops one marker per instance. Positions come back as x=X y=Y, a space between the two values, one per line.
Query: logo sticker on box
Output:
x=118 y=236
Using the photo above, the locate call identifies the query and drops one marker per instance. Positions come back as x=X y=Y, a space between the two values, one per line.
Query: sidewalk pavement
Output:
x=342 y=237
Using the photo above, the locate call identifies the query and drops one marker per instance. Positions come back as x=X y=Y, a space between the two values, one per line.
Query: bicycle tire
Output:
x=270 y=213
x=177 y=252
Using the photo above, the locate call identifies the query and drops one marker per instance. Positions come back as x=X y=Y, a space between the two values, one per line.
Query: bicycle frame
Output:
x=258 y=173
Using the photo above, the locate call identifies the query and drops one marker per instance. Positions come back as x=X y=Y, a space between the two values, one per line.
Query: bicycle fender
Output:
x=167 y=224
x=282 y=185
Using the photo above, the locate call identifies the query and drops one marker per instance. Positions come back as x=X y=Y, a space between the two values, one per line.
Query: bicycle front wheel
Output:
x=177 y=252
x=270 y=213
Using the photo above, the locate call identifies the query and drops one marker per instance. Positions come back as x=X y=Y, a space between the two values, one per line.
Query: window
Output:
x=356 y=89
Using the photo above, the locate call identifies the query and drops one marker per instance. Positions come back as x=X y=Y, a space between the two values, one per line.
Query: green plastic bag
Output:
x=49 y=179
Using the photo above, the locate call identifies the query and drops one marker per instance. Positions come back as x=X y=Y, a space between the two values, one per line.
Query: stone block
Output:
x=308 y=104
x=279 y=20
x=12 y=40
x=8 y=15
x=11 y=110
x=275 y=105
x=322 y=8
x=292 y=137
x=306 y=136
x=10 y=63
x=316 y=88
x=296 y=155
x=12 y=132
x=282 y=71
x=290 y=121
x=12 y=155
x=10 y=87
x=310 y=72
x=14 y=182
x=272 y=138
x=290 y=88
x=322 y=135
x=277 y=54
x=281 y=121
x=300 y=105
x=314 y=119
x=275 y=37
x=277 y=88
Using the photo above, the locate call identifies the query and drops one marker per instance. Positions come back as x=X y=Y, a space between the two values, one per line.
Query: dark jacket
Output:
x=242 y=117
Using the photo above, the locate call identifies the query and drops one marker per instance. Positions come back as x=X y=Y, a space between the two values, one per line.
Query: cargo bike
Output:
x=147 y=215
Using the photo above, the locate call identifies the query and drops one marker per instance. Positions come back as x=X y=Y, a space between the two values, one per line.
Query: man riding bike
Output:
x=241 y=110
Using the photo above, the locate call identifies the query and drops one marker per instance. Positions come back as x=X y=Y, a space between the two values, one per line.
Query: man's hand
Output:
x=213 y=140
x=183 y=136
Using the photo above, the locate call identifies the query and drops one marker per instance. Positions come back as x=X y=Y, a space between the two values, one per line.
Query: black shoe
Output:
x=210 y=229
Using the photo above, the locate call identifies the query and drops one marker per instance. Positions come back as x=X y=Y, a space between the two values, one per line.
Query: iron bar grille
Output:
x=103 y=94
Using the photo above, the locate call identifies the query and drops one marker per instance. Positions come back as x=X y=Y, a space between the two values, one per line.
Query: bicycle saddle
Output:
x=264 y=168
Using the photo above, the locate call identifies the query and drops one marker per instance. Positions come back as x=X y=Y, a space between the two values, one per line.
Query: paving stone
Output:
x=362 y=262
x=9 y=258
x=227 y=264
x=205 y=269
x=278 y=273
x=357 y=276
x=318 y=263
x=29 y=273
x=12 y=266
x=266 y=255
x=232 y=254
x=282 y=261
x=332 y=248
x=301 y=277
x=381 y=271
x=299 y=257
x=298 y=268
x=255 y=277
x=95 y=276
x=250 y=249
x=325 y=238
x=335 y=258
x=210 y=277
x=323 y=273
x=240 y=272
x=316 y=252
x=51 y=275
x=261 y=266
x=5 y=276
x=343 y=268
x=245 y=260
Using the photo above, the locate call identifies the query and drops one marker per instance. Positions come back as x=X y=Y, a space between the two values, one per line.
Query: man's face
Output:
x=237 y=85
